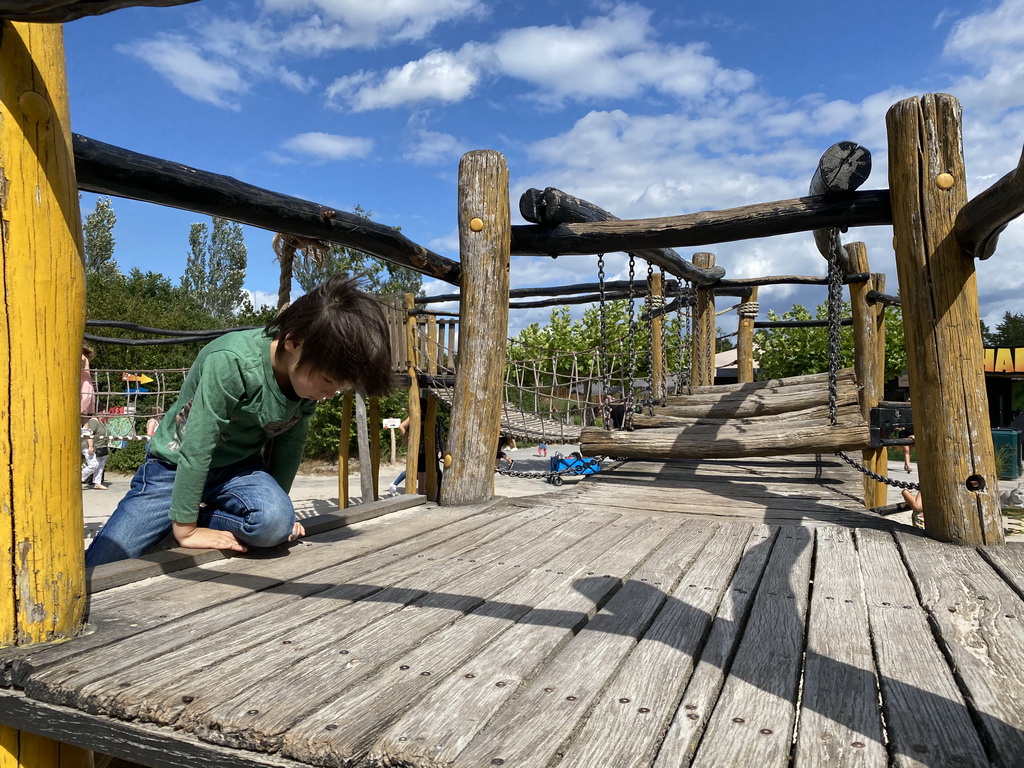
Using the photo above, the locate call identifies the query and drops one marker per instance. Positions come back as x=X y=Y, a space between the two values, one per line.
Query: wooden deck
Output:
x=661 y=614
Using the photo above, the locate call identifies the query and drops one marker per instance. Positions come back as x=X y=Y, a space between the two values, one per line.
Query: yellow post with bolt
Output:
x=42 y=592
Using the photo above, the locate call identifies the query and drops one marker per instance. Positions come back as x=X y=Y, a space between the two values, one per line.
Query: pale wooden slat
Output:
x=752 y=723
x=1008 y=559
x=368 y=708
x=702 y=691
x=75 y=679
x=981 y=623
x=291 y=692
x=926 y=720
x=547 y=710
x=654 y=675
x=441 y=726
x=839 y=719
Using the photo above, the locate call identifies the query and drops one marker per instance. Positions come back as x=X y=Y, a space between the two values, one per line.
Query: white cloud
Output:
x=368 y=24
x=188 y=70
x=433 y=148
x=325 y=147
x=438 y=76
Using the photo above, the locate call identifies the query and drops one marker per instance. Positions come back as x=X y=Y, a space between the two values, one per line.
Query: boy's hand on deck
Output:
x=191 y=536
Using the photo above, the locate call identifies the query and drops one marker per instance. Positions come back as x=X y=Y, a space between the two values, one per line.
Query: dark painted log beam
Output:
x=109 y=170
x=553 y=207
x=782 y=217
x=841 y=169
x=981 y=220
x=59 y=11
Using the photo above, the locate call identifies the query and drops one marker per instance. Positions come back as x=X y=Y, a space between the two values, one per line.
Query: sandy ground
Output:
x=316 y=493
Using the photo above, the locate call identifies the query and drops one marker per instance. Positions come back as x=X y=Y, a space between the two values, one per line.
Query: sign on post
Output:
x=392 y=424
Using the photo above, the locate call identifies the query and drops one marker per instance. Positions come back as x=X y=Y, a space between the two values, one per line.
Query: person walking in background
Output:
x=542 y=448
x=95 y=449
x=151 y=425
x=87 y=404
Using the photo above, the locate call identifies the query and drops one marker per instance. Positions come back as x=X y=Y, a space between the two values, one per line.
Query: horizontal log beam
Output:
x=553 y=206
x=109 y=170
x=821 y=379
x=849 y=413
x=59 y=11
x=980 y=222
x=734 y=406
x=782 y=217
x=723 y=442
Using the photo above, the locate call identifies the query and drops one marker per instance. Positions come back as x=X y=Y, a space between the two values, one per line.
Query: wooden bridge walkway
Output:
x=661 y=614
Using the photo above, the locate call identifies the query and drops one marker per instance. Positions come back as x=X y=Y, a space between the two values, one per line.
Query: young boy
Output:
x=219 y=466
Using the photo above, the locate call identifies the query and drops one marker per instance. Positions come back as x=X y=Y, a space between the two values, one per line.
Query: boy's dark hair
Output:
x=343 y=332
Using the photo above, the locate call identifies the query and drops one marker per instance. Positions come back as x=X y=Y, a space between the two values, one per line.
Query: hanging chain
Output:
x=649 y=301
x=664 y=349
x=835 y=308
x=627 y=421
x=683 y=333
x=603 y=353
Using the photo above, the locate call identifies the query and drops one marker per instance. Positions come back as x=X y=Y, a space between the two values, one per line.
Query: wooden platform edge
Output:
x=149 y=745
x=123 y=572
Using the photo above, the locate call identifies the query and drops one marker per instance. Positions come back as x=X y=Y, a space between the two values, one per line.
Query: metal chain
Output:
x=603 y=353
x=627 y=420
x=649 y=301
x=835 y=306
x=664 y=349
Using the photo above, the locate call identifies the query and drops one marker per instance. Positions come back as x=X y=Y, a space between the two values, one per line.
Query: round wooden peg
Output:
x=476 y=224
x=945 y=181
x=34 y=105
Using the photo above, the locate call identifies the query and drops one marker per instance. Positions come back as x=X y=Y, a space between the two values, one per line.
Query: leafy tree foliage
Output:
x=215 y=270
x=380 y=277
x=798 y=351
x=1008 y=333
x=98 y=239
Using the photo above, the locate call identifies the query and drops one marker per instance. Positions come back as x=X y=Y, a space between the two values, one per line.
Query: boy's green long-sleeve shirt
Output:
x=229 y=408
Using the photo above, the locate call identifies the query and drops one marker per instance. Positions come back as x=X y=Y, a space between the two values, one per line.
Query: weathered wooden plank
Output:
x=726 y=441
x=259 y=718
x=443 y=724
x=981 y=623
x=73 y=674
x=156 y=747
x=765 y=402
x=626 y=726
x=702 y=691
x=752 y=723
x=368 y=708
x=546 y=711
x=1008 y=560
x=847 y=412
x=840 y=721
x=754 y=386
x=926 y=719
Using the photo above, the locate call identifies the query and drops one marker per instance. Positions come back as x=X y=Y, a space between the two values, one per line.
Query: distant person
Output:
x=95 y=450
x=87 y=404
x=421 y=460
x=151 y=424
x=542 y=448
x=616 y=413
x=220 y=465
x=501 y=455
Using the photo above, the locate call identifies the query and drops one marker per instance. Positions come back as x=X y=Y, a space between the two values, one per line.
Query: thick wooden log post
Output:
x=484 y=244
x=865 y=362
x=939 y=296
x=657 y=332
x=41 y=324
x=363 y=444
x=702 y=357
x=415 y=429
x=375 y=444
x=347 y=406
x=745 y=338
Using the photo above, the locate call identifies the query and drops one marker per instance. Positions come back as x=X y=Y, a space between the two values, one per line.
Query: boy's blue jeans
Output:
x=242 y=498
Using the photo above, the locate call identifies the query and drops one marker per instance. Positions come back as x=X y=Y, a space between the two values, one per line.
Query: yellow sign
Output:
x=1004 y=360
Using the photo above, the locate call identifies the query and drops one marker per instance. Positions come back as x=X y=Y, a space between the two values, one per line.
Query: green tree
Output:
x=785 y=352
x=215 y=268
x=380 y=277
x=98 y=241
x=1009 y=332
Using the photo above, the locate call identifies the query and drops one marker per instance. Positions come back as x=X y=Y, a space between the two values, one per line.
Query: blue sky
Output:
x=653 y=108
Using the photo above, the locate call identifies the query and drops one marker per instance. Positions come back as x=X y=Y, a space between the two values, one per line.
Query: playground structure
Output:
x=937 y=235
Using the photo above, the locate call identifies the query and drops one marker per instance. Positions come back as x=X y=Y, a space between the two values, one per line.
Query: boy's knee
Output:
x=272 y=526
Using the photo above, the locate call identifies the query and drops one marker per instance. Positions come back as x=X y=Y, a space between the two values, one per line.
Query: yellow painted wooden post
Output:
x=939 y=299
x=41 y=324
x=485 y=239
x=745 y=338
x=702 y=356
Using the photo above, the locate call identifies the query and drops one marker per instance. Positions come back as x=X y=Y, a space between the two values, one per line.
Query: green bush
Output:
x=127 y=459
